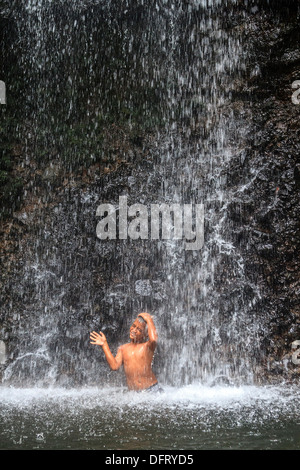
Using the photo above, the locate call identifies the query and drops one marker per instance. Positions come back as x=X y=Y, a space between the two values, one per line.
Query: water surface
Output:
x=193 y=417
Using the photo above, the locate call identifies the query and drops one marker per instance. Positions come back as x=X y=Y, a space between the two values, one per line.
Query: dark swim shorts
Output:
x=154 y=389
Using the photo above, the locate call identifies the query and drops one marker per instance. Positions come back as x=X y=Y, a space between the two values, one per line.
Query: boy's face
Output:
x=137 y=331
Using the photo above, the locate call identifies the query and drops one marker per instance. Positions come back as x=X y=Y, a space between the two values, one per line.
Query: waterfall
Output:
x=136 y=100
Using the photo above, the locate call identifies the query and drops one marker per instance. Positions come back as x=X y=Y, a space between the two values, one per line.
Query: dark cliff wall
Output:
x=273 y=216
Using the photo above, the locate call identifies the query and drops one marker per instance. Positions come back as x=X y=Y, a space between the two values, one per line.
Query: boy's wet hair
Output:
x=143 y=321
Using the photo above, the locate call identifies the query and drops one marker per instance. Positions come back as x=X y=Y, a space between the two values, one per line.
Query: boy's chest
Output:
x=134 y=353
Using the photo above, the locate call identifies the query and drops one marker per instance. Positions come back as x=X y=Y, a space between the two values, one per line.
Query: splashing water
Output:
x=175 y=67
x=191 y=417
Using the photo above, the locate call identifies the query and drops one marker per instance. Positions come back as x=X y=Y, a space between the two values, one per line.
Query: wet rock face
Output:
x=59 y=281
x=273 y=242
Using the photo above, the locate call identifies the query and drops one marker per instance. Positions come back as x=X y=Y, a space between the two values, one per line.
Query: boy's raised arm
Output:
x=100 y=340
x=152 y=333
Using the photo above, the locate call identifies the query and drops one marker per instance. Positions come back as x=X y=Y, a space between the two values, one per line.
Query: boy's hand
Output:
x=97 y=338
x=146 y=316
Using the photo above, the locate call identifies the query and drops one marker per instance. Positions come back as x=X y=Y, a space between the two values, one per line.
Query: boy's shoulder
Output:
x=130 y=347
x=124 y=347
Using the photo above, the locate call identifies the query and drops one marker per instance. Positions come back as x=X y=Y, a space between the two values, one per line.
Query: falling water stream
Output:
x=171 y=67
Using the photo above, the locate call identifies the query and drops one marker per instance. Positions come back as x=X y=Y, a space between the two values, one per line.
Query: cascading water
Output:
x=164 y=74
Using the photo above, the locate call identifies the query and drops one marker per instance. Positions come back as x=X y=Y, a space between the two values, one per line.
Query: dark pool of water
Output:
x=194 y=417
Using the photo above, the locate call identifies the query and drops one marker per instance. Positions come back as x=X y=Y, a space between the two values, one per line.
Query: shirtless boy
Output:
x=135 y=356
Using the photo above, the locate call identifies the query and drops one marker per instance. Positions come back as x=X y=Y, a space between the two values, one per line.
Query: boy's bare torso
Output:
x=137 y=362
